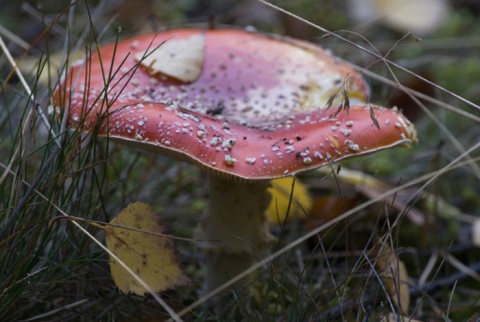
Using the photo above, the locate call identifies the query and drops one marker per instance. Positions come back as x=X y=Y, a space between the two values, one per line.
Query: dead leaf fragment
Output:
x=141 y=244
x=181 y=59
x=395 y=276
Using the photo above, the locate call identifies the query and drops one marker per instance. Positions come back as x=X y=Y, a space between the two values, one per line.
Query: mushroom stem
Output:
x=234 y=230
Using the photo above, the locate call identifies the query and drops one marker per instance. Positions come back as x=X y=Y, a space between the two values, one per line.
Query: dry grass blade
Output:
x=56 y=311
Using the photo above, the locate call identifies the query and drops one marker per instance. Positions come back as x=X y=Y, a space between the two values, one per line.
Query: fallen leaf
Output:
x=181 y=59
x=394 y=275
x=371 y=187
x=328 y=207
x=281 y=191
x=136 y=236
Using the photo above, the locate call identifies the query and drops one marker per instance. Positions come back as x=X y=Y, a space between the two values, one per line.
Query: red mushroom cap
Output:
x=253 y=106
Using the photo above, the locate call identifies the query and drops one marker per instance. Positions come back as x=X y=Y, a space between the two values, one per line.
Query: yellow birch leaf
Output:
x=281 y=190
x=141 y=244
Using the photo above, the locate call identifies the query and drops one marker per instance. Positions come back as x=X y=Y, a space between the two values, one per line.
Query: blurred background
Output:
x=54 y=272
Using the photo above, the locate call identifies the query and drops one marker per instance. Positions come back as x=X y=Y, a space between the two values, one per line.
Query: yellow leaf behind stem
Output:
x=281 y=190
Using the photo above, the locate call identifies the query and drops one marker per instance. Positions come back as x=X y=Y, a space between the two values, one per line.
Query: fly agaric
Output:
x=244 y=106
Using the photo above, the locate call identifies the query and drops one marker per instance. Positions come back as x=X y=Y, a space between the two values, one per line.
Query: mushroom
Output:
x=244 y=106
